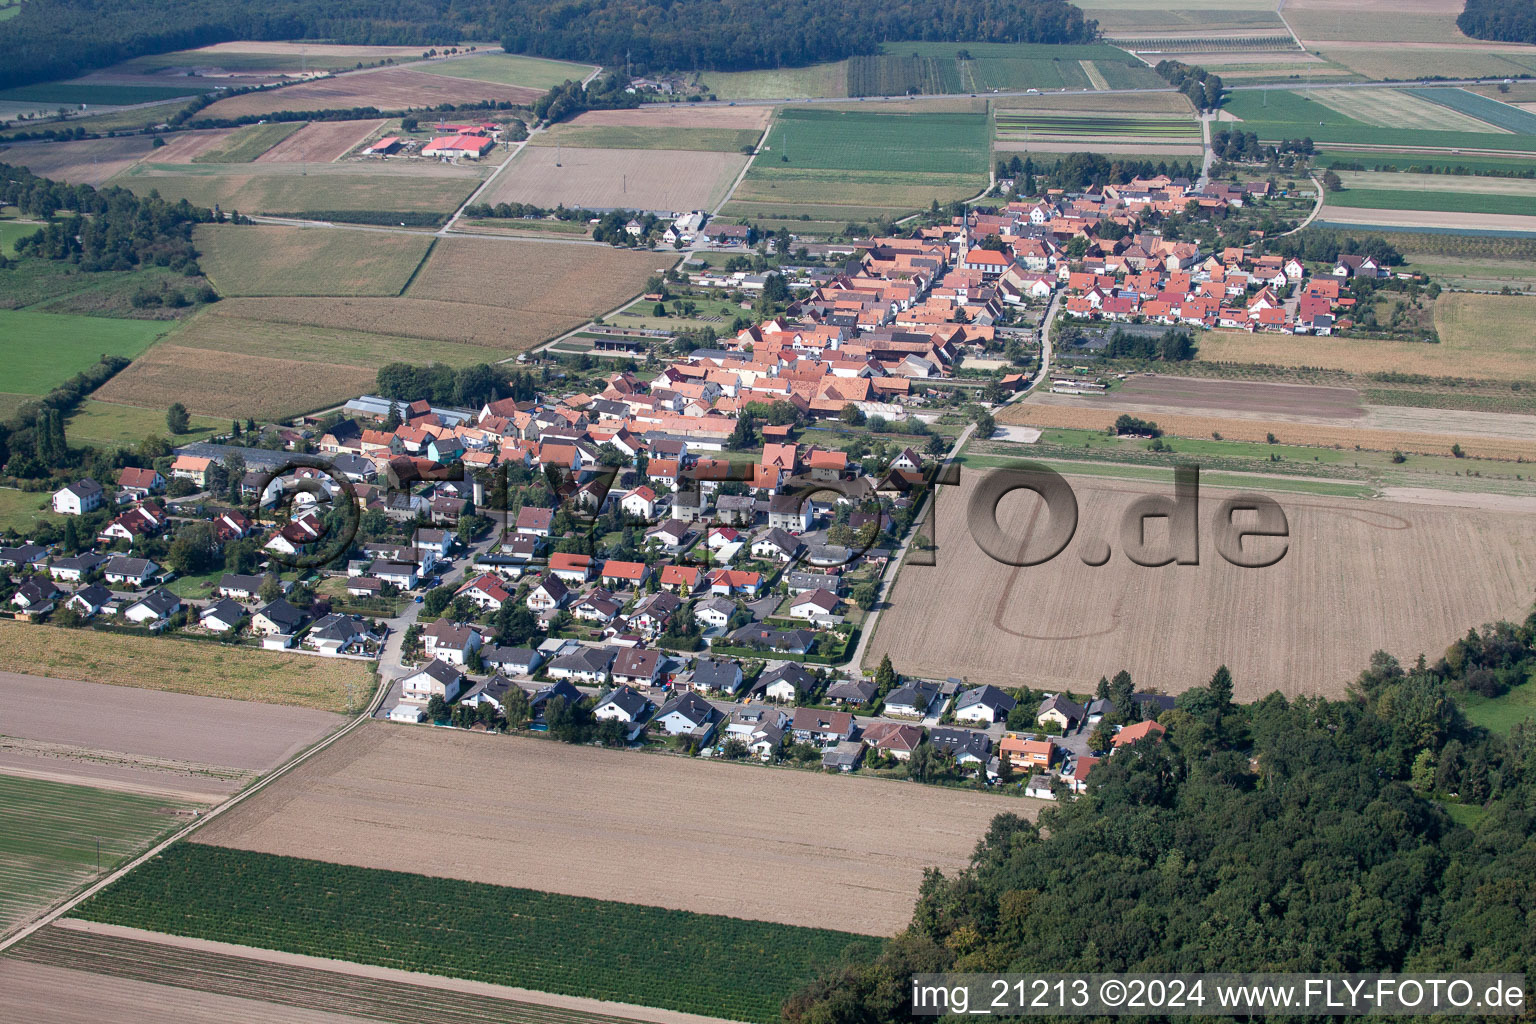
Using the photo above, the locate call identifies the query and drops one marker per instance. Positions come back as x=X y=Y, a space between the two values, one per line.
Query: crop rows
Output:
x=1212 y=44
x=673 y=959
x=284 y=984
x=1500 y=115
x=1009 y=123
x=890 y=75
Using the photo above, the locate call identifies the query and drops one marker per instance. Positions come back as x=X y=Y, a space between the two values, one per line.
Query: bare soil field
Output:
x=1357 y=576
x=278 y=986
x=1482 y=424
x=1250 y=399
x=682 y=116
x=320 y=142
x=1169 y=102
x=83 y=162
x=236 y=386
x=618 y=825
x=1088 y=414
x=408 y=186
x=488 y=331
x=31 y=991
x=387 y=89
x=184 y=147
x=147 y=739
x=307 y=49
x=544 y=277
x=636 y=179
x=186 y=666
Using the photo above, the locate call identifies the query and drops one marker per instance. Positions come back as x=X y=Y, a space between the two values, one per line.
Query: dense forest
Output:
x=1298 y=834
x=1510 y=21
x=53 y=39
x=739 y=34
x=103 y=229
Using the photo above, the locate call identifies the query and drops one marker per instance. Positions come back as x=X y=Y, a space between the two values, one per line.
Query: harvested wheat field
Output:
x=543 y=277
x=618 y=825
x=1356 y=577
x=1396 y=432
x=1341 y=215
x=186 y=666
x=119 y=737
x=388 y=89
x=235 y=386
x=485 y=332
x=83 y=162
x=320 y=142
x=681 y=116
x=265 y=259
x=185 y=147
x=1481 y=336
x=632 y=179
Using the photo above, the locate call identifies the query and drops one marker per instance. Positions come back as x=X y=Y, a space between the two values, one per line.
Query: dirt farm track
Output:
x=1357 y=576
x=752 y=842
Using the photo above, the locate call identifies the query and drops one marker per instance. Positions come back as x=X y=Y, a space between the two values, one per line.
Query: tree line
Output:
x=54 y=39
x=1510 y=21
x=1203 y=88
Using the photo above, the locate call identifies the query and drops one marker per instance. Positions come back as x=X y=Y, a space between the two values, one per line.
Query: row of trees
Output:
x=1203 y=88
x=1174 y=345
x=469 y=386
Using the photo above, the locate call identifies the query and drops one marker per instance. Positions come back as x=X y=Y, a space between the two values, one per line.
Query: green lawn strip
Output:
x=110 y=424
x=1503 y=713
x=1443 y=163
x=248 y=143
x=673 y=959
x=1120 y=471
x=856 y=140
x=71 y=94
x=42 y=350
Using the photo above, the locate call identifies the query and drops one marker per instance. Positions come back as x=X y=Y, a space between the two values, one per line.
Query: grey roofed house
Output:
x=80 y=564
x=800 y=582
x=584 y=660
x=989 y=697
x=793 y=673
x=844 y=757
x=225 y=609
x=233 y=583
x=963 y=743
x=852 y=691
x=795 y=641
x=93 y=596
x=84 y=488
x=660 y=604
x=355 y=467
x=130 y=568
x=739 y=509
x=716 y=604
x=441 y=671
x=1153 y=704
x=781 y=540
x=1099 y=707
x=338 y=627
x=1056 y=702
x=283 y=615
x=691 y=707
x=23 y=554
x=559 y=688
x=34 y=592
x=628 y=700
x=716 y=674
x=160 y=601
x=917 y=694
x=520 y=660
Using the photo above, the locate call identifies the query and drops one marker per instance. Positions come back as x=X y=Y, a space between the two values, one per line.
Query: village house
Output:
x=715 y=675
x=688 y=714
x=450 y=641
x=822 y=728
x=434 y=679
x=624 y=704
x=78 y=498
x=983 y=705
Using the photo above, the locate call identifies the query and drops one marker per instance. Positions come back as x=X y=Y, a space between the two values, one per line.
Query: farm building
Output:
x=468 y=146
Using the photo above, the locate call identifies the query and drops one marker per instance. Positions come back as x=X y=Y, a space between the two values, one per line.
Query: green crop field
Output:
x=845 y=195
x=1282 y=114
x=898 y=75
x=1447 y=202
x=508 y=69
x=109 y=424
x=673 y=959
x=249 y=142
x=858 y=141
x=40 y=351
x=70 y=93
x=812 y=82
x=48 y=844
x=1501 y=115
x=1426 y=163
x=1012 y=123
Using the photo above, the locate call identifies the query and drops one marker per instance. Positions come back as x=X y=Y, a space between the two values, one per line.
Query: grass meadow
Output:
x=42 y=350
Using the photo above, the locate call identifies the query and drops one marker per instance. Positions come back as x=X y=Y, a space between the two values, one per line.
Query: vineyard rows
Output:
x=1214 y=44
x=535 y=940
x=890 y=75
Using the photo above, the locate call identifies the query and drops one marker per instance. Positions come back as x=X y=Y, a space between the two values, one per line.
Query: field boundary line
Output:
x=431 y=247
x=745 y=168
x=393 y=975
x=381 y=690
